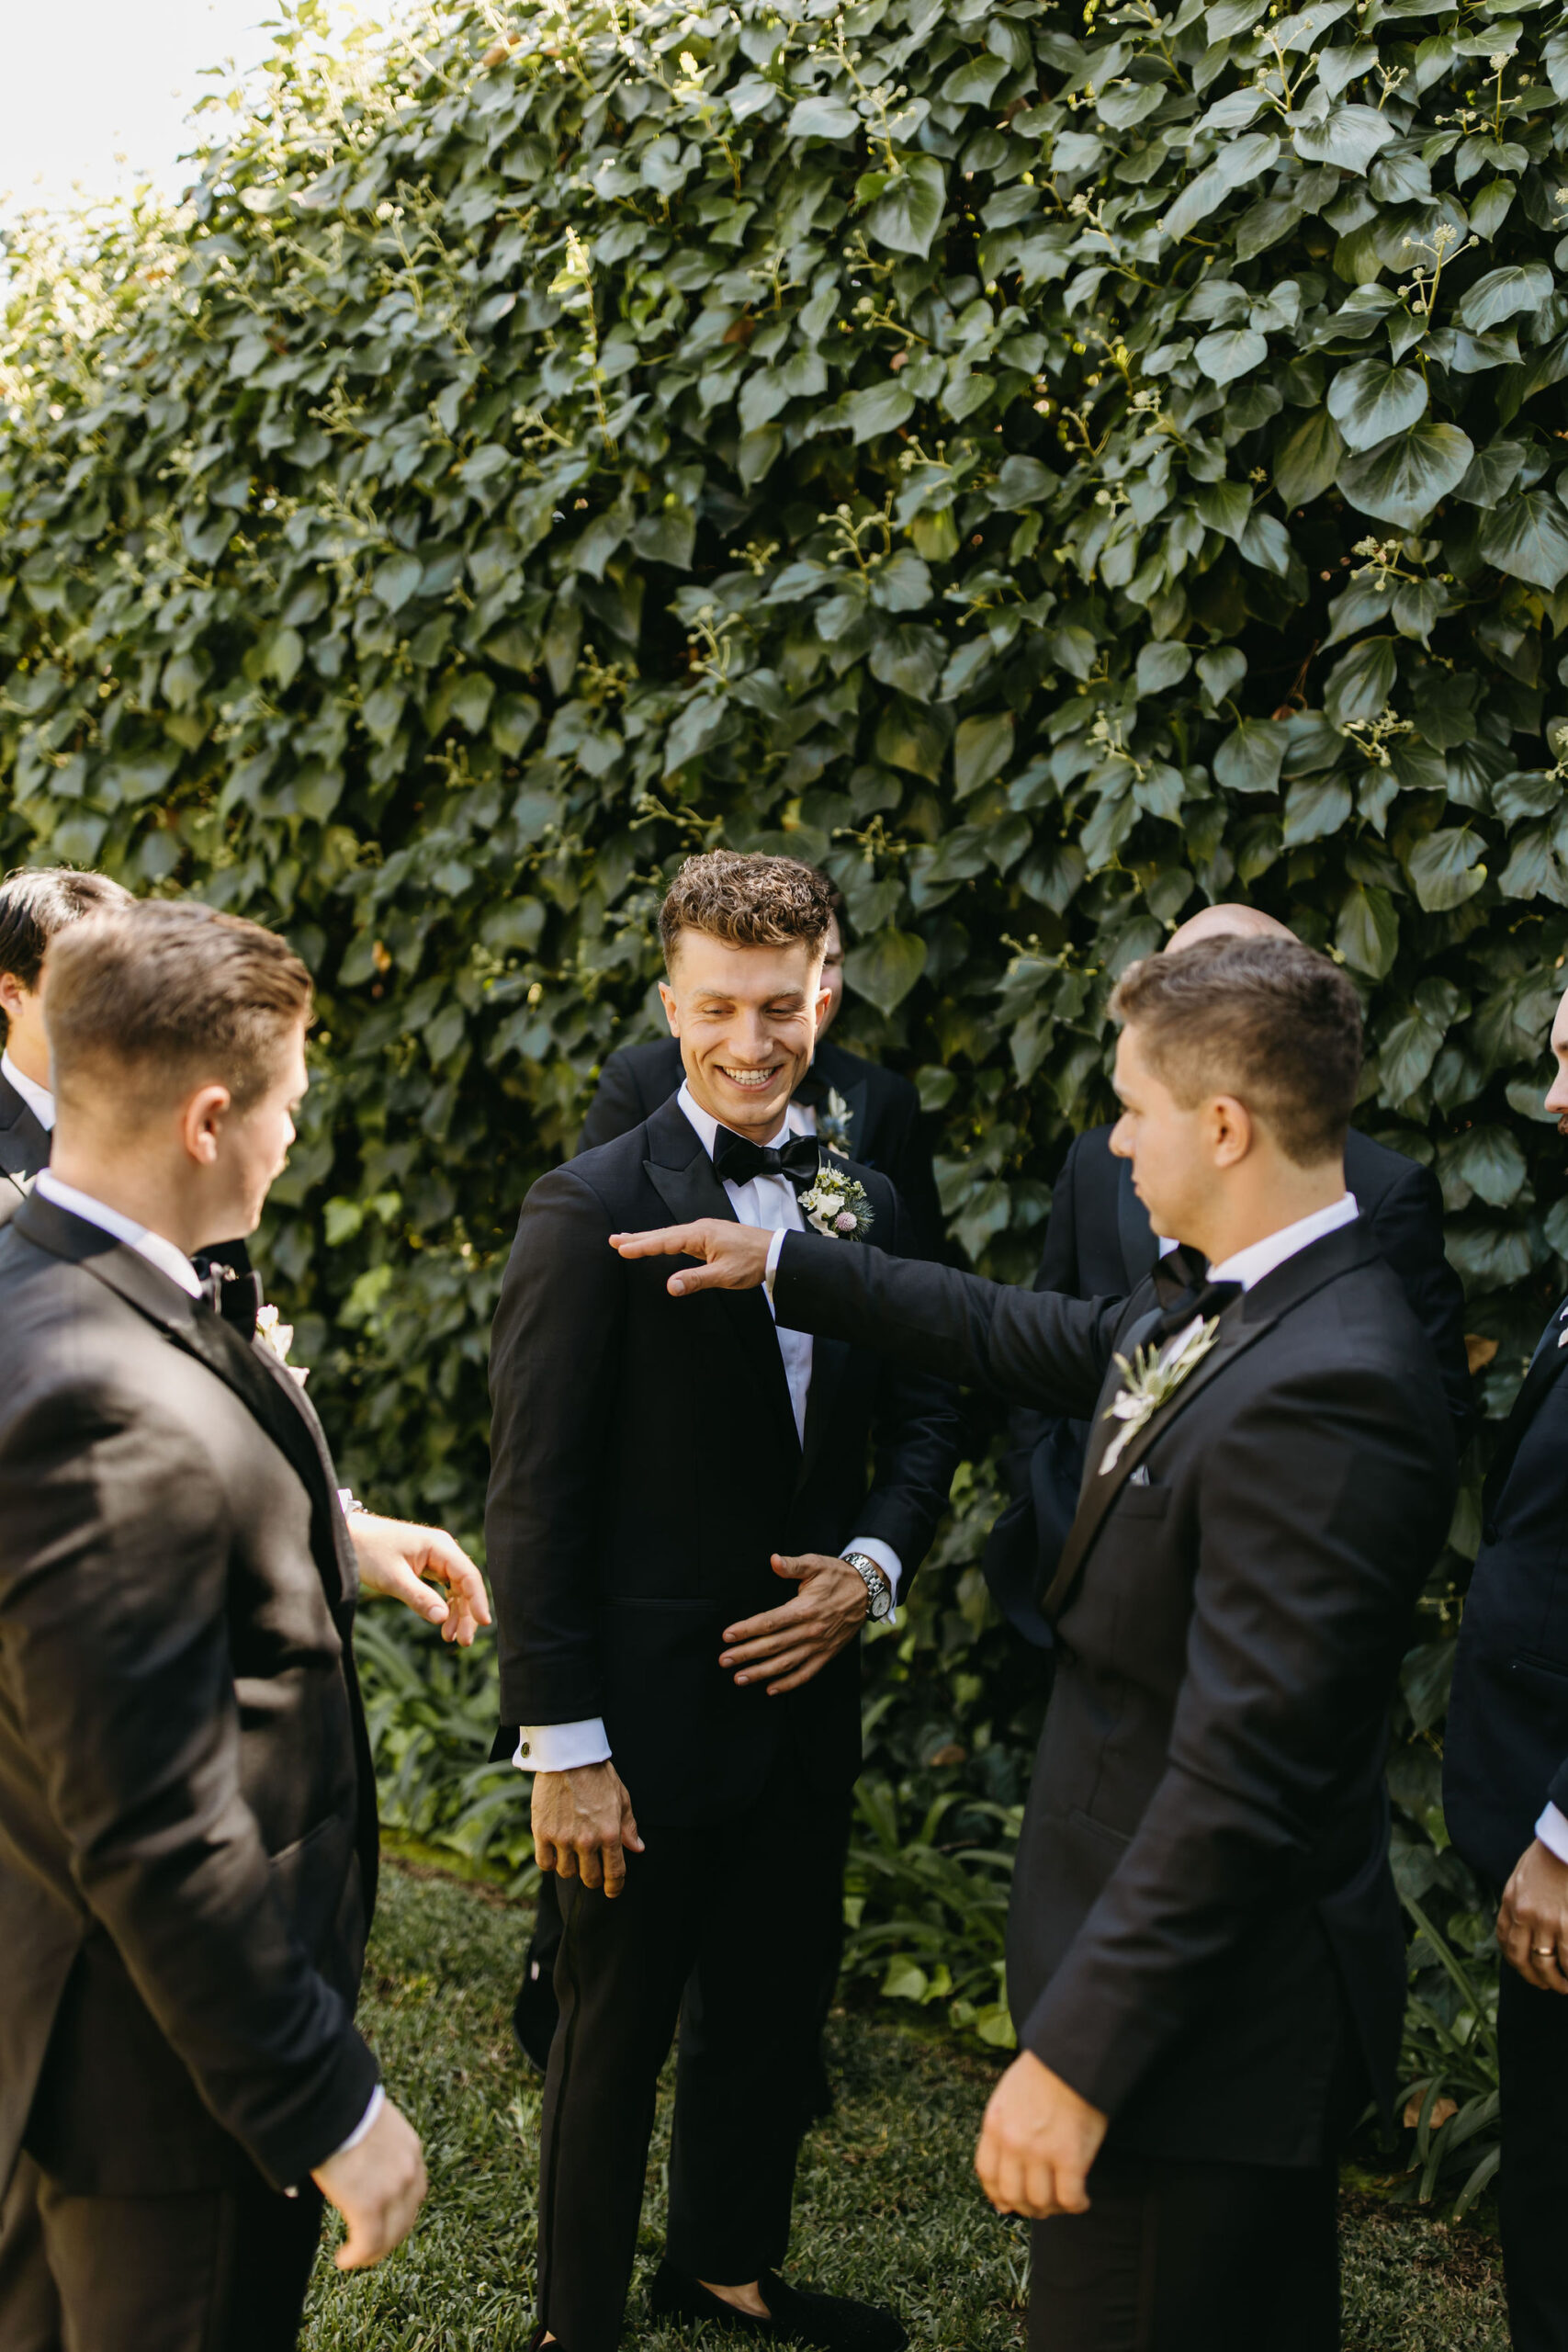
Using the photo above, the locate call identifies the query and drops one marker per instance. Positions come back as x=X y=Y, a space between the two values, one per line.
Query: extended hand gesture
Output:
x=733 y=1257
x=396 y=1557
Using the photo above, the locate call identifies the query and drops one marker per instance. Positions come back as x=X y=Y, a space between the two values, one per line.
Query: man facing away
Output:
x=1099 y=1244
x=657 y=1478
x=188 y=1816
x=1205 y=1959
x=1506 y=1795
x=35 y=903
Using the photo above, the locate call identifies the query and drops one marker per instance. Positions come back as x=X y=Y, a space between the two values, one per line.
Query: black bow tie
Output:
x=739 y=1160
x=236 y=1297
x=1183 y=1289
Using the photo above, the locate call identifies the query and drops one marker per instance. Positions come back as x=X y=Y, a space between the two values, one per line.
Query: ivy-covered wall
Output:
x=1051 y=464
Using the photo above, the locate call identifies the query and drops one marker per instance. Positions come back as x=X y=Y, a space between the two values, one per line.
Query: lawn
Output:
x=887 y=2207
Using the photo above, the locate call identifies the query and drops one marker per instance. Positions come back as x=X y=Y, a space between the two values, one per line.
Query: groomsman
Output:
x=1206 y=1964
x=1099 y=1244
x=35 y=903
x=693 y=1742
x=187 y=1814
x=1506 y=1794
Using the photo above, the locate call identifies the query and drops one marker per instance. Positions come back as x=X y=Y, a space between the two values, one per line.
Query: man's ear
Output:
x=824 y=998
x=12 y=994
x=201 y=1118
x=1231 y=1130
x=672 y=1012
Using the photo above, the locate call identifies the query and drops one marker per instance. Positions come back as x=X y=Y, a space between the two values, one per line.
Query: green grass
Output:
x=886 y=2205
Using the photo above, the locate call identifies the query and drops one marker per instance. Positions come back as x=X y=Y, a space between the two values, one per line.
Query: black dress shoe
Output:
x=794 y=2314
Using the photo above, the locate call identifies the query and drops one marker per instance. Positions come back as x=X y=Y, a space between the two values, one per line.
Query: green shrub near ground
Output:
x=1050 y=466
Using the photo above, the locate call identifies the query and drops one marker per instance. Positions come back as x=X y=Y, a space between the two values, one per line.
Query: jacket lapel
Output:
x=686 y=1182
x=1139 y=1250
x=1545 y=1367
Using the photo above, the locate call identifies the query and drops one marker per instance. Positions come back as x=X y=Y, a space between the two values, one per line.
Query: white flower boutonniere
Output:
x=1147 y=1382
x=837 y=1206
x=279 y=1337
x=833 y=1122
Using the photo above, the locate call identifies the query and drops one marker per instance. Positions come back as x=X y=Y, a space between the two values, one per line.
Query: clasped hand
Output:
x=1037 y=2143
x=1532 y=1920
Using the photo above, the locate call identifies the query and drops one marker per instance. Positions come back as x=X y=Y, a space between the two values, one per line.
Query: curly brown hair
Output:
x=1269 y=1021
x=748 y=900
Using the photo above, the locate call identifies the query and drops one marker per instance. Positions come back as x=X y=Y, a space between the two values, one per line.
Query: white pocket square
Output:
x=1140 y=1476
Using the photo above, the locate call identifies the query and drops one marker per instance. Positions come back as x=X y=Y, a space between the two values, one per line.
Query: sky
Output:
x=88 y=82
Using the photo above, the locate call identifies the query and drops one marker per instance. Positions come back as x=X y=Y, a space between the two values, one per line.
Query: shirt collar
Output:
x=1260 y=1258
x=38 y=1099
x=157 y=1251
x=708 y=1127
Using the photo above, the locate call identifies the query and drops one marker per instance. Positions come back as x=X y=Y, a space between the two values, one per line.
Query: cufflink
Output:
x=524 y=1748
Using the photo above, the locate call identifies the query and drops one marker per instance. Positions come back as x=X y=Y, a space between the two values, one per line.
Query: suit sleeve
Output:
x=554 y=1350
x=114 y=1646
x=1407 y=1224
x=1023 y=1346
x=1301 y=1605
x=616 y=1107
x=917 y=1433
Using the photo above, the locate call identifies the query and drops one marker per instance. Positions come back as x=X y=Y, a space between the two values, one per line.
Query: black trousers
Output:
x=748 y=1909
x=1532 y=2184
x=213 y=2270
x=1191 y=2257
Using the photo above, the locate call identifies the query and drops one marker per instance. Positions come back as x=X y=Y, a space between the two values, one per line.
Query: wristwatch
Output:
x=878 y=1591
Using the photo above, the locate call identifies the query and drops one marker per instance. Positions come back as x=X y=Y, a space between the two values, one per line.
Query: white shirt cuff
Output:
x=887 y=1559
x=561 y=1748
x=1552 y=1831
x=361 y=2130
x=771 y=1268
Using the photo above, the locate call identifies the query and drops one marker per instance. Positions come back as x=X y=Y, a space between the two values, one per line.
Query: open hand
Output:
x=395 y=1557
x=584 y=1827
x=378 y=2187
x=1533 y=1921
x=796 y=1641
x=733 y=1257
x=1037 y=2143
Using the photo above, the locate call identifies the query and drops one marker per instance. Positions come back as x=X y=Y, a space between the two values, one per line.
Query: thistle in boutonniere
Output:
x=833 y=1120
x=279 y=1337
x=1149 y=1381
x=837 y=1206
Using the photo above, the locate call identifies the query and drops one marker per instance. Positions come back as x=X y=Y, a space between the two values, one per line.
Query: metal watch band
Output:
x=878 y=1591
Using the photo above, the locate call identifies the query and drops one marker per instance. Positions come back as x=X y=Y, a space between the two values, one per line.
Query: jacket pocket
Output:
x=1140 y=1502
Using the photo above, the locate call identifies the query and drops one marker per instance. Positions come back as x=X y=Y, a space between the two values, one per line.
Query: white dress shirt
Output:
x=38 y=1099
x=762 y=1202
x=173 y=1261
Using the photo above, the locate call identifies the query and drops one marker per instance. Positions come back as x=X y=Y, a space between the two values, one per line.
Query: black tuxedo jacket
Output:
x=886 y=1130
x=646 y=1464
x=1099 y=1244
x=1202 y=1878
x=187 y=1819
x=1505 y=1743
x=24 y=1149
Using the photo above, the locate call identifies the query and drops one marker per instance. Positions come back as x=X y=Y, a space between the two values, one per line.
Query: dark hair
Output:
x=1267 y=1020
x=38 y=900
x=175 y=994
x=748 y=900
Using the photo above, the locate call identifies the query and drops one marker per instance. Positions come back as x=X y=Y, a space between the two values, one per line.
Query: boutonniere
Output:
x=837 y=1206
x=1148 y=1382
x=833 y=1119
x=279 y=1337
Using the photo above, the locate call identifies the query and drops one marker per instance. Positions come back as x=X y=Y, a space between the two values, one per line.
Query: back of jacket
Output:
x=646 y=1465
x=186 y=1833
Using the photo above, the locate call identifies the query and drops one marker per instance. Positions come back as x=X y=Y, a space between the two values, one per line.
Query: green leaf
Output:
x=1350 y=137
x=981 y=749
x=1367 y=934
x=1315 y=808
x=1251 y=757
x=886 y=968
x=1445 y=869
x=907 y=217
x=1370 y=400
x=1503 y=293
x=1528 y=538
x=1489 y=1161
x=1162 y=666
x=880 y=408
x=1360 y=684
x=1229 y=352
x=1402 y=481
x=1309 y=460
x=396 y=581
x=823 y=117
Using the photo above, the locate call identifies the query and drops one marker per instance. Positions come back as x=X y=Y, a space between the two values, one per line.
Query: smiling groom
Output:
x=660 y=1478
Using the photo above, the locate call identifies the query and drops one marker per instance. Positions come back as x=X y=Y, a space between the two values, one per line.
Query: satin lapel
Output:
x=1139 y=1250
x=1546 y=1365
x=1101 y=1489
x=690 y=1191
x=829 y=1359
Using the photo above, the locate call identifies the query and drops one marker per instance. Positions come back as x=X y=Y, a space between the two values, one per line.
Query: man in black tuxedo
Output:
x=1206 y=1966
x=35 y=903
x=654 y=1476
x=1099 y=1244
x=187 y=1815
x=1506 y=1795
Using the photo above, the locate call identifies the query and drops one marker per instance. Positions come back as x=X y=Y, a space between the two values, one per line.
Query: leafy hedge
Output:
x=1051 y=466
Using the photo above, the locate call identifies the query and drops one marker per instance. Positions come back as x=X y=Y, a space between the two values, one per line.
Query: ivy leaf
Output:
x=879 y=409
x=901 y=584
x=886 y=968
x=1250 y=758
x=395 y=580
x=1372 y=400
x=1350 y=136
x=1503 y=293
x=981 y=749
x=1402 y=481
x=1162 y=666
x=1315 y=808
x=823 y=117
x=1229 y=352
x=1446 y=869
x=1367 y=934
x=1309 y=460
x=1361 y=681
x=1528 y=538
x=907 y=216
